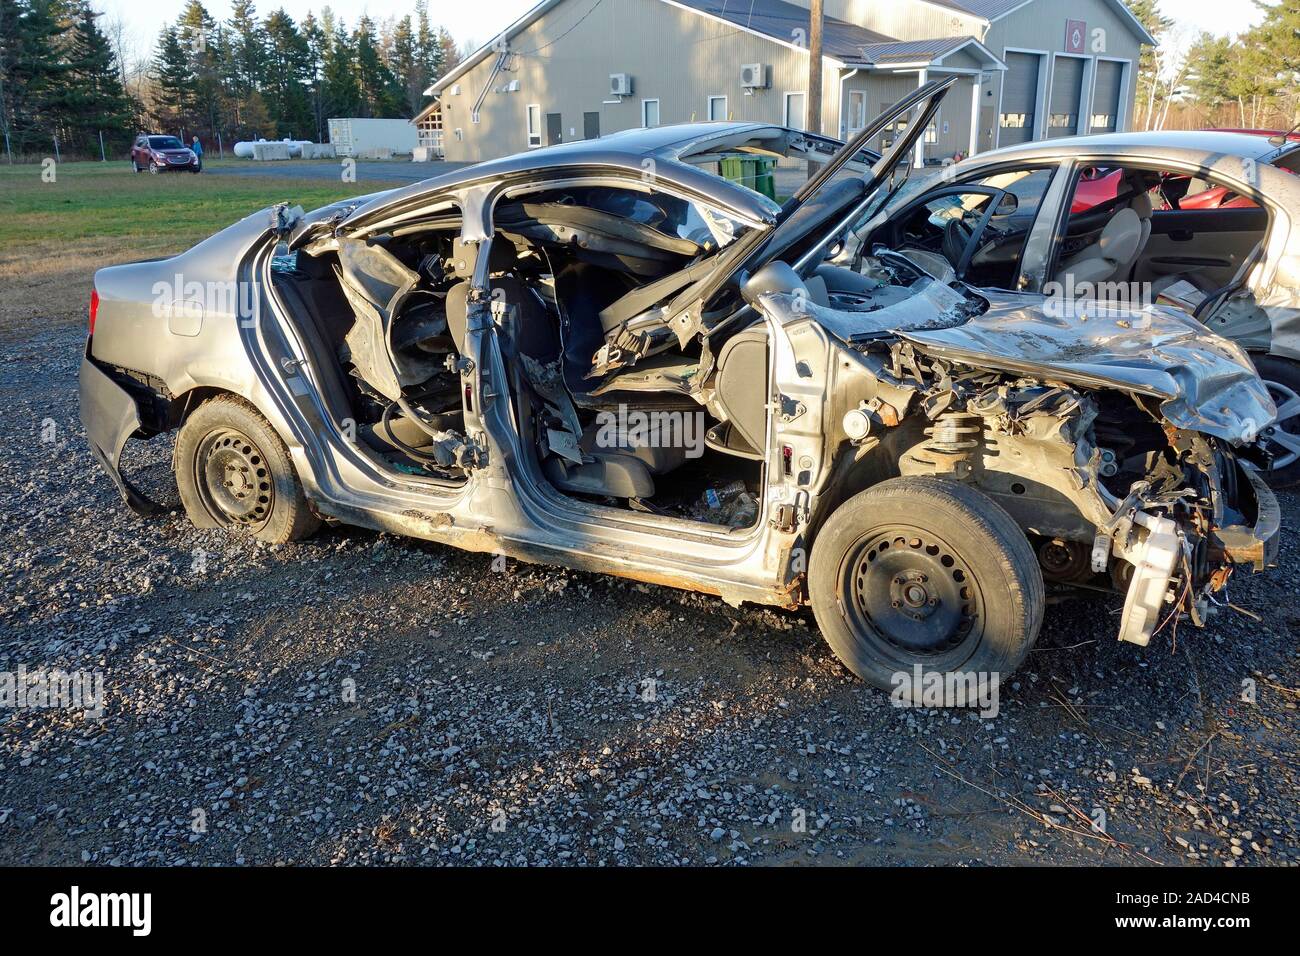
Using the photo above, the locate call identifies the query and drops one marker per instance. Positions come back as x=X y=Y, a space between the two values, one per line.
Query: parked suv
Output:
x=158 y=154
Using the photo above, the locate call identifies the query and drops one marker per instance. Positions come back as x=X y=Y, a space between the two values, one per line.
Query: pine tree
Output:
x=286 y=68
x=380 y=95
x=1148 y=14
x=406 y=70
x=340 y=92
x=448 y=53
x=31 y=38
x=314 y=37
x=174 y=80
x=198 y=33
x=246 y=55
x=427 y=51
x=94 y=99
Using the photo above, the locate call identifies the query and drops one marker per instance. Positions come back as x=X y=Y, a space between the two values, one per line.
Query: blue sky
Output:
x=478 y=21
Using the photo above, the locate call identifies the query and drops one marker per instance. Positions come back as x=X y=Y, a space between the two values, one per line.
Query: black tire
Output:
x=1282 y=376
x=234 y=472
x=921 y=571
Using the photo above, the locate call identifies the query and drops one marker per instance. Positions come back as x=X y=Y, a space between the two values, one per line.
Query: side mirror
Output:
x=1007 y=205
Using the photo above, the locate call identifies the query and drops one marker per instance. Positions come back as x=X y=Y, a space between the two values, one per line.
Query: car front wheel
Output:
x=1282 y=438
x=234 y=472
x=924 y=573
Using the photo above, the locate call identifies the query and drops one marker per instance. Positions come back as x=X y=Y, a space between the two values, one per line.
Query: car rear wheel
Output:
x=925 y=573
x=234 y=472
x=1282 y=438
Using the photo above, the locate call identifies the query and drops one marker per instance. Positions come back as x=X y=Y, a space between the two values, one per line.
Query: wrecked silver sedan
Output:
x=602 y=355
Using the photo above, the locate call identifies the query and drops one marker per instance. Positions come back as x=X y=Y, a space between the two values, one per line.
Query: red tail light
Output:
x=94 y=309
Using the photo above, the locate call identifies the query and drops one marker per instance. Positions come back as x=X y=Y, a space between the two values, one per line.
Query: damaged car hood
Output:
x=1204 y=382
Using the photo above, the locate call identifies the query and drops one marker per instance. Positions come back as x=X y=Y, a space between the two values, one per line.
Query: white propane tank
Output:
x=244 y=149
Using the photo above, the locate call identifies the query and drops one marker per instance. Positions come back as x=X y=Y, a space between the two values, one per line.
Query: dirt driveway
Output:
x=363 y=698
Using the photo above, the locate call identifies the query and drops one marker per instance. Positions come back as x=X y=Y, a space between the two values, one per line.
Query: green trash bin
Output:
x=752 y=171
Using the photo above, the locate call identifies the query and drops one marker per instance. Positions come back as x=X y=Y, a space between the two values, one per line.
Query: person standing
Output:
x=197 y=148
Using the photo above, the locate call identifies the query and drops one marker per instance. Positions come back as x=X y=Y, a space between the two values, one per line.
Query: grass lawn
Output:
x=54 y=235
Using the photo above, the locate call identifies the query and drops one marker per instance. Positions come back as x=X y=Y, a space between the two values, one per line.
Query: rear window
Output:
x=165 y=142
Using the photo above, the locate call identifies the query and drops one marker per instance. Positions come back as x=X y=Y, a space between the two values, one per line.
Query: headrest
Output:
x=1119 y=240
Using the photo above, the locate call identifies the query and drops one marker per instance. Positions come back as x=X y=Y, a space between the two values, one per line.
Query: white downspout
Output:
x=922 y=77
x=844 y=111
x=974 y=115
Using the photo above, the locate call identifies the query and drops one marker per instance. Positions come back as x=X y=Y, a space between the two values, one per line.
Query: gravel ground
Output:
x=499 y=714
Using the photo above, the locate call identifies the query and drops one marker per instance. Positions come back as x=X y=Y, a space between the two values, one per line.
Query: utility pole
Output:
x=814 y=103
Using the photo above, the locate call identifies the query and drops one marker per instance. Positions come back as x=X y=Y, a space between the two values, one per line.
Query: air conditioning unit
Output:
x=753 y=76
x=620 y=84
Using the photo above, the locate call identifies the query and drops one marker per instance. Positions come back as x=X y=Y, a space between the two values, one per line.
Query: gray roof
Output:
x=968 y=7
x=992 y=9
x=903 y=51
x=779 y=20
x=775 y=19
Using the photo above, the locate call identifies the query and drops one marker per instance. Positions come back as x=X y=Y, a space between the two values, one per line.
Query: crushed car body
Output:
x=604 y=356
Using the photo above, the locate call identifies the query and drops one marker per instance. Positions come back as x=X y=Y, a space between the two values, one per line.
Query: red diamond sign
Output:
x=1075 y=31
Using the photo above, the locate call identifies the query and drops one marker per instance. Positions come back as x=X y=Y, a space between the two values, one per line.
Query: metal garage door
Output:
x=1019 y=99
x=1067 y=83
x=1105 y=97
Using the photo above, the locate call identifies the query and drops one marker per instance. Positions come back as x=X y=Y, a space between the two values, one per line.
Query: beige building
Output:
x=576 y=69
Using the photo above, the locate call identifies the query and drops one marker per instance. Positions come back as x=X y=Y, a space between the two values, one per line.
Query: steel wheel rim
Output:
x=1283 y=436
x=911 y=595
x=234 y=479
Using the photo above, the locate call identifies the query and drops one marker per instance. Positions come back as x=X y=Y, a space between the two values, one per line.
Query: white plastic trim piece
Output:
x=1153 y=562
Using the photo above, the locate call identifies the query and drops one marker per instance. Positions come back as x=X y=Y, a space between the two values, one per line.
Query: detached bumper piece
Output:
x=111 y=416
x=1255 y=544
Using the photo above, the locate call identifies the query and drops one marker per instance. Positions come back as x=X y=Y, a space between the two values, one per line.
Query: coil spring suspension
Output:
x=953 y=437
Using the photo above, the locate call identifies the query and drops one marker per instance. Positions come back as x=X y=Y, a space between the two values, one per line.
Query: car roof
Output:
x=1145 y=143
x=624 y=152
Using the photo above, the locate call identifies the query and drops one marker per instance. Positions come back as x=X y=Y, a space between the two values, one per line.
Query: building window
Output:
x=717 y=109
x=1017 y=120
x=534 y=125
x=932 y=133
x=649 y=113
x=857 y=118
x=796 y=110
x=1102 y=119
x=1062 y=120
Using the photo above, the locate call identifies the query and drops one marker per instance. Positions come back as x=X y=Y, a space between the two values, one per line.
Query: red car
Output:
x=159 y=154
x=1099 y=185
